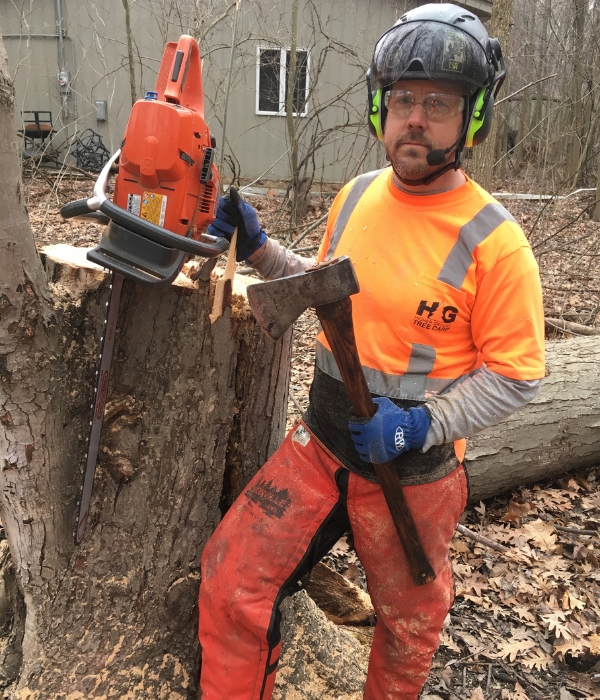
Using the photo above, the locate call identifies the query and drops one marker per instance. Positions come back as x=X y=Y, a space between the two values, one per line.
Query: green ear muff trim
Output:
x=476 y=119
x=375 y=114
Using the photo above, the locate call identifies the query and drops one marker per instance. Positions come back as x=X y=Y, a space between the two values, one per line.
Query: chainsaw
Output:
x=165 y=195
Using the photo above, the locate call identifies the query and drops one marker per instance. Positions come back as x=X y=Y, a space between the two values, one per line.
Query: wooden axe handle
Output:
x=336 y=320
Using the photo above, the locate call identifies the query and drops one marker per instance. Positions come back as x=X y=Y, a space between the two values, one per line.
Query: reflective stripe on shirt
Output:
x=415 y=385
x=473 y=233
x=358 y=189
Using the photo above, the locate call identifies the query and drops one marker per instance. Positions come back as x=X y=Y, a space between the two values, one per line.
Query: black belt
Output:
x=327 y=417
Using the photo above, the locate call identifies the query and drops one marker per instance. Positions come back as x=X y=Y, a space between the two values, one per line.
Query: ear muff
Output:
x=375 y=118
x=482 y=113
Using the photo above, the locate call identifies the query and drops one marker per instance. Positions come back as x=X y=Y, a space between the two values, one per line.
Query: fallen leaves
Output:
x=541 y=534
x=541 y=600
x=510 y=650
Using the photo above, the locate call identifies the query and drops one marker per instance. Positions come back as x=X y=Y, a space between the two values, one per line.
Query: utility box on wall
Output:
x=101 y=110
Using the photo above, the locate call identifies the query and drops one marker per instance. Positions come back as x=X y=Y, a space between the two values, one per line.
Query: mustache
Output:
x=414 y=137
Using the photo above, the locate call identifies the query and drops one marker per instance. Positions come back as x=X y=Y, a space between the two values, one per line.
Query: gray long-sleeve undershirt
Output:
x=273 y=261
x=480 y=401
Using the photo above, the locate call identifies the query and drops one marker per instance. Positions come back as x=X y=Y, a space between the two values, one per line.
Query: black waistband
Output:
x=327 y=417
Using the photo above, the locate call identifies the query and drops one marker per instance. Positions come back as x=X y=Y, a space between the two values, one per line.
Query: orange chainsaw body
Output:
x=166 y=171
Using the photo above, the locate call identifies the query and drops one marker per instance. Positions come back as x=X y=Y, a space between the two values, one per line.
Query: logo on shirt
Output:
x=433 y=316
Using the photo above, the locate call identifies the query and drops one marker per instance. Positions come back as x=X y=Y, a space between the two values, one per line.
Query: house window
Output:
x=272 y=73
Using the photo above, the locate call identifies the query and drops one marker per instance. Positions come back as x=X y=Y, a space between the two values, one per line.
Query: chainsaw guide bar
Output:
x=98 y=406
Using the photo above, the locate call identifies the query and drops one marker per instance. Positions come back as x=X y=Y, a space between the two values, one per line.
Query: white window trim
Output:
x=282 y=63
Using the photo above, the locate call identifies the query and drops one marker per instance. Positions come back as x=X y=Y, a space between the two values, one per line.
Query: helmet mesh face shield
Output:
x=430 y=50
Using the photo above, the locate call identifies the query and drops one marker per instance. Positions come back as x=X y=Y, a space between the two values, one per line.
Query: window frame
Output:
x=283 y=52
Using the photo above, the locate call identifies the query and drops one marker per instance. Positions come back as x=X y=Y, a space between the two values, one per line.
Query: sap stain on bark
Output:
x=7 y=420
x=5 y=303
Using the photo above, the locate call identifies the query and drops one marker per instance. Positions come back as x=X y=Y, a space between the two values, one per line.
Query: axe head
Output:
x=278 y=303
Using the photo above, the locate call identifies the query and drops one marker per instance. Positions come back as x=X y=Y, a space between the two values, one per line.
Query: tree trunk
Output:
x=574 y=141
x=524 y=120
x=130 y=60
x=193 y=410
x=559 y=430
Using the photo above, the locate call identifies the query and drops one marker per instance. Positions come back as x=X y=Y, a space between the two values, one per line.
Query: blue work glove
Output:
x=390 y=432
x=231 y=212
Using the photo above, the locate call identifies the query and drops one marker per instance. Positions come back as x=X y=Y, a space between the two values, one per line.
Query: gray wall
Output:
x=339 y=34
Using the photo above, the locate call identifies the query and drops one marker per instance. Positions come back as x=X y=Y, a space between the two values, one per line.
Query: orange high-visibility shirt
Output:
x=447 y=282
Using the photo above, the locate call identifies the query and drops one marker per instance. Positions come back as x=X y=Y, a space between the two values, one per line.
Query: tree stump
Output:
x=319 y=661
x=193 y=411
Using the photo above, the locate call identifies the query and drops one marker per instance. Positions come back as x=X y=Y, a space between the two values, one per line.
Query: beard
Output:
x=411 y=163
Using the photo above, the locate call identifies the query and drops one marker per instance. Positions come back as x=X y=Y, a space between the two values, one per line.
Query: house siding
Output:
x=95 y=54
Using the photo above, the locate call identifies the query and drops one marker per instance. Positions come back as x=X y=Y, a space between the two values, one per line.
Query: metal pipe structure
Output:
x=63 y=75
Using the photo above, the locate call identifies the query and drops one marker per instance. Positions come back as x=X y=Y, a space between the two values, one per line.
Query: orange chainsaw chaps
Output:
x=289 y=515
x=166 y=171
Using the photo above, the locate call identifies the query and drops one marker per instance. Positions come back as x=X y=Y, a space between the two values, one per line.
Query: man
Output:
x=449 y=328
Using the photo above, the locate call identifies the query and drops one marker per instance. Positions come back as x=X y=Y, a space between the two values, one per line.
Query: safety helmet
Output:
x=439 y=42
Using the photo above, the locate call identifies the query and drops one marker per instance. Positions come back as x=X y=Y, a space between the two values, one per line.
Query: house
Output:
x=78 y=65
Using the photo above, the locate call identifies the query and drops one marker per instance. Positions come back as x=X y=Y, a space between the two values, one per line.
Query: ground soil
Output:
x=525 y=624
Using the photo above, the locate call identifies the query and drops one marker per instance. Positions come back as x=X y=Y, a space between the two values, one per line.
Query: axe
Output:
x=327 y=288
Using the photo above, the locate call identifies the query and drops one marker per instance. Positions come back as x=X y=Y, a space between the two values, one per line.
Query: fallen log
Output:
x=570 y=326
x=558 y=431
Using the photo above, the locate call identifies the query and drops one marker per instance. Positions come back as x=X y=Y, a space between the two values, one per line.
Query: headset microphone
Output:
x=437 y=156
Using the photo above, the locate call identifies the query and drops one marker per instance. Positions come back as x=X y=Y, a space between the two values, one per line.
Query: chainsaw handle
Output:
x=207 y=247
x=79 y=207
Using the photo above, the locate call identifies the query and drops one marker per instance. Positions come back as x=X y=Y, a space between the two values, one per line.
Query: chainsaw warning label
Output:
x=154 y=207
x=134 y=203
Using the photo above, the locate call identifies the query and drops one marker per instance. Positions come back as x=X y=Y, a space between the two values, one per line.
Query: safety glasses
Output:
x=436 y=105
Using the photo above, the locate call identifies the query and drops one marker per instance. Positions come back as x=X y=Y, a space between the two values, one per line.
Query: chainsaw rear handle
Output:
x=77 y=208
x=207 y=247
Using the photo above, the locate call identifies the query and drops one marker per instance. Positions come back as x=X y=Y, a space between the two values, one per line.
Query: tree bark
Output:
x=558 y=431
